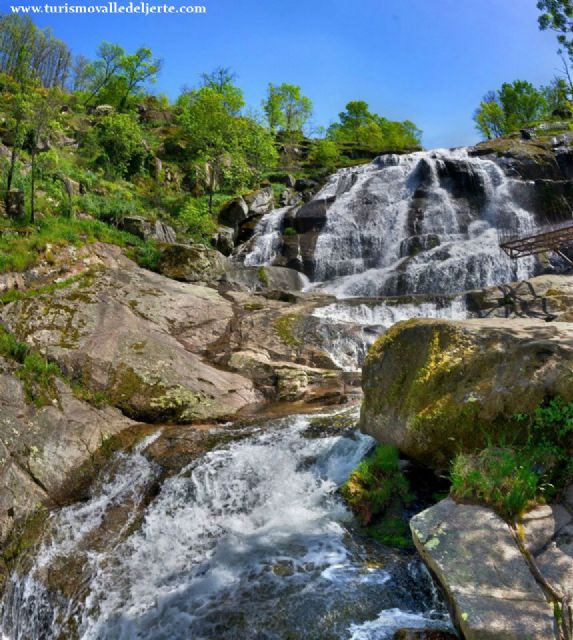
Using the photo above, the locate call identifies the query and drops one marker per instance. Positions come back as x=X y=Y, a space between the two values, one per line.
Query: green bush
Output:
x=325 y=154
x=290 y=231
x=197 y=220
x=375 y=484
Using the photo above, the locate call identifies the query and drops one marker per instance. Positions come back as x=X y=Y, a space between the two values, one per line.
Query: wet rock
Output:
x=312 y=216
x=475 y=558
x=436 y=387
x=191 y=263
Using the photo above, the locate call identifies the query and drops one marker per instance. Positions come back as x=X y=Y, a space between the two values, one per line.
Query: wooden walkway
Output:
x=555 y=237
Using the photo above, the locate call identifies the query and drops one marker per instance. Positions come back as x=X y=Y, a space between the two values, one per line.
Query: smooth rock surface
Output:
x=475 y=558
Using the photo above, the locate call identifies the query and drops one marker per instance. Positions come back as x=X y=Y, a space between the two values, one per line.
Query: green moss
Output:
x=375 y=484
x=263 y=276
x=25 y=535
x=253 y=306
x=285 y=329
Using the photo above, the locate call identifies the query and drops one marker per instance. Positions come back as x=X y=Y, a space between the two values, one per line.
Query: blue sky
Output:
x=426 y=60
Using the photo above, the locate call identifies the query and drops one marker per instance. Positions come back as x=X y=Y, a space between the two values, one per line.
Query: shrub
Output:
x=502 y=478
x=197 y=220
x=325 y=154
x=375 y=484
x=289 y=231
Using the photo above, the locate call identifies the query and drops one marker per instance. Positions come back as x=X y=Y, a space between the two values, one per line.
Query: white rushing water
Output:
x=268 y=233
x=348 y=329
x=424 y=222
x=251 y=540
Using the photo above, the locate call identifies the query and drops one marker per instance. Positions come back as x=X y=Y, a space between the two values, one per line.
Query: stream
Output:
x=251 y=540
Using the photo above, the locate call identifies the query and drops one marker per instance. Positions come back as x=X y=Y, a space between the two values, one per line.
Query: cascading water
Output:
x=349 y=329
x=425 y=222
x=268 y=232
x=250 y=540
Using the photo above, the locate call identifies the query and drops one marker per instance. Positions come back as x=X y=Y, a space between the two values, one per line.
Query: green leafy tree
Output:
x=136 y=70
x=227 y=151
x=116 y=145
x=115 y=76
x=41 y=124
x=517 y=104
x=222 y=80
x=102 y=71
x=286 y=108
x=359 y=126
x=325 y=154
x=557 y=15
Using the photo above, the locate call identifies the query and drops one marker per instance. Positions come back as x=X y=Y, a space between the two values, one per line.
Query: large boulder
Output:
x=138 y=337
x=264 y=278
x=148 y=230
x=487 y=580
x=233 y=213
x=260 y=202
x=191 y=263
x=435 y=387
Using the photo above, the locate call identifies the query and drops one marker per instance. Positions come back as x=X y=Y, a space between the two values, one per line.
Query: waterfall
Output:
x=425 y=222
x=249 y=540
x=348 y=330
x=268 y=234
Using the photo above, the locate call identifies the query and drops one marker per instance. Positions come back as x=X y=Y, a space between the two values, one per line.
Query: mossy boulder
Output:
x=434 y=388
x=191 y=263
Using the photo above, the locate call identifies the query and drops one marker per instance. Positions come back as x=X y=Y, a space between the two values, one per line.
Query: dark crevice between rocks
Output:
x=563 y=614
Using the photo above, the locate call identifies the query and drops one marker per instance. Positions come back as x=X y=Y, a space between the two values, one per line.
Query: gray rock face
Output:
x=474 y=555
x=242 y=213
x=138 y=337
x=263 y=278
x=41 y=447
x=223 y=240
x=260 y=202
x=147 y=230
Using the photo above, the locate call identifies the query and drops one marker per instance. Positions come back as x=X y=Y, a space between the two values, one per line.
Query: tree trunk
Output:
x=33 y=187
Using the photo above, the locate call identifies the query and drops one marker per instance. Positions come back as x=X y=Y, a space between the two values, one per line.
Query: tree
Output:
x=226 y=150
x=325 y=154
x=517 y=104
x=101 y=71
x=557 y=15
x=116 y=144
x=22 y=44
x=357 y=125
x=286 y=108
x=136 y=70
x=556 y=95
x=43 y=114
x=489 y=117
x=222 y=80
